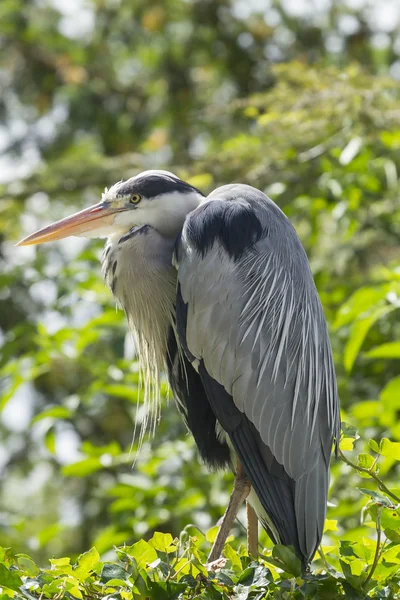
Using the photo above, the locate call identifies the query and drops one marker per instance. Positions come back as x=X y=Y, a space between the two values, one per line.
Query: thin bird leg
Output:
x=241 y=489
x=252 y=530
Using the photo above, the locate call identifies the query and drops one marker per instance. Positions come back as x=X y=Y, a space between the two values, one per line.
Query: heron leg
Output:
x=241 y=489
x=252 y=530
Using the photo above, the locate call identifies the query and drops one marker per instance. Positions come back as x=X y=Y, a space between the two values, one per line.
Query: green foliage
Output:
x=190 y=86
x=166 y=569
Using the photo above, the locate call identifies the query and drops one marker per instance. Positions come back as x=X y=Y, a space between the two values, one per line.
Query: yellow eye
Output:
x=135 y=198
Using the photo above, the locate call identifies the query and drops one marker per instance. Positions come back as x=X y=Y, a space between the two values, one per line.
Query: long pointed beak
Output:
x=97 y=217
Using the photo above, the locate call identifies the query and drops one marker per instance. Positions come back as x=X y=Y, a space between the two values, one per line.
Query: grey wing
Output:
x=253 y=324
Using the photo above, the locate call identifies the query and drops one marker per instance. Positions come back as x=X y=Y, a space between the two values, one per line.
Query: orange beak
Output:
x=95 y=218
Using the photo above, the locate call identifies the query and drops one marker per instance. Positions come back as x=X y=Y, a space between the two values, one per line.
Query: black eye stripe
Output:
x=153 y=185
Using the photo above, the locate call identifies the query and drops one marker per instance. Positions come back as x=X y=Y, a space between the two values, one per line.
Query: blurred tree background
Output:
x=300 y=99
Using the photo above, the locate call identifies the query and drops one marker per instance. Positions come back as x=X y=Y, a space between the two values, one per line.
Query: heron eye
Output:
x=134 y=199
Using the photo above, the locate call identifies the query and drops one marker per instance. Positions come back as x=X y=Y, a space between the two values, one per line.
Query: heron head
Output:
x=156 y=198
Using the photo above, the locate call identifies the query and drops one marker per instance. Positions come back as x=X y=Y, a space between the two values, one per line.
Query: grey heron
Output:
x=219 y=294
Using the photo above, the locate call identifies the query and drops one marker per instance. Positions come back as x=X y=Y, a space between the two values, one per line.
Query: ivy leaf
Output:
x=27 y=565
x=374 y=446
x=392 y=535
x=234 y=558
x=377 y=498
x=166 y=590
x=365 y=461
x=111 y=571
x=330 y=525
x=142 y=552
x=347 y=444
x=86 y=563
x=288 y=560
x=348 y=430
x=390 y=449
x=162 y=542
x=9 y=579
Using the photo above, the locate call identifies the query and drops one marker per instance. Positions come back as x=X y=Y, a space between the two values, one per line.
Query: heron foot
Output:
x=241 y=489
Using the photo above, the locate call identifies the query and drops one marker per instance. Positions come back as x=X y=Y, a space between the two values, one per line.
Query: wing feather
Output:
x=255 y=321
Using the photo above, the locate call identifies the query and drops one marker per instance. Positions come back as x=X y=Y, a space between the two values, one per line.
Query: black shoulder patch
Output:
x=233 y=223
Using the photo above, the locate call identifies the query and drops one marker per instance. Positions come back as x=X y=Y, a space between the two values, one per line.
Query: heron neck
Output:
x=139 y=271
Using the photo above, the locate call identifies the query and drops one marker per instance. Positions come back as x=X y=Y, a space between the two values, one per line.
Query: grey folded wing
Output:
x=250 y=319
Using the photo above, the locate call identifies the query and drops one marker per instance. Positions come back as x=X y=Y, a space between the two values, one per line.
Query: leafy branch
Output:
x=370 y=471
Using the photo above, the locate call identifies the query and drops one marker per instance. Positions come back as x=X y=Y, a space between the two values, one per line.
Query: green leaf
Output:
x=211 y=534
x=83 y=468
x=391 y=139
x=287 y=559
x=142 y=552
x=347 y=548
x=390 y=519
x=360 y=302
x=347 y=444
x=390 y=395
x=56 y=412
x=162 y=542
x=233 y=556
x=330 y=525
x=355 y=582
x=9 y=578
x=27 y=565
x=349 y=430
x=122 y=391
x=377 y=498
x=392 y=535
x=49 y=533
x=166 y=590
x=50 y=440
x=389 y=350
x=374 y=446
x=111 y=571
x=365 y=461
x=247 y=576
x=390 y=449
x=359 y=330
x=86 y=563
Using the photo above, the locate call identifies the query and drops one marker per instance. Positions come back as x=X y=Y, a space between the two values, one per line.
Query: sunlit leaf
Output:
x=50 y=440
x=83 y=467
x=390 y=449
x=390 y=395
x=162 y=542
x=389 y=350
x=330 y=525
x=86 y=563
x=56 y=412
x=142 y=552
x=347 y=444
